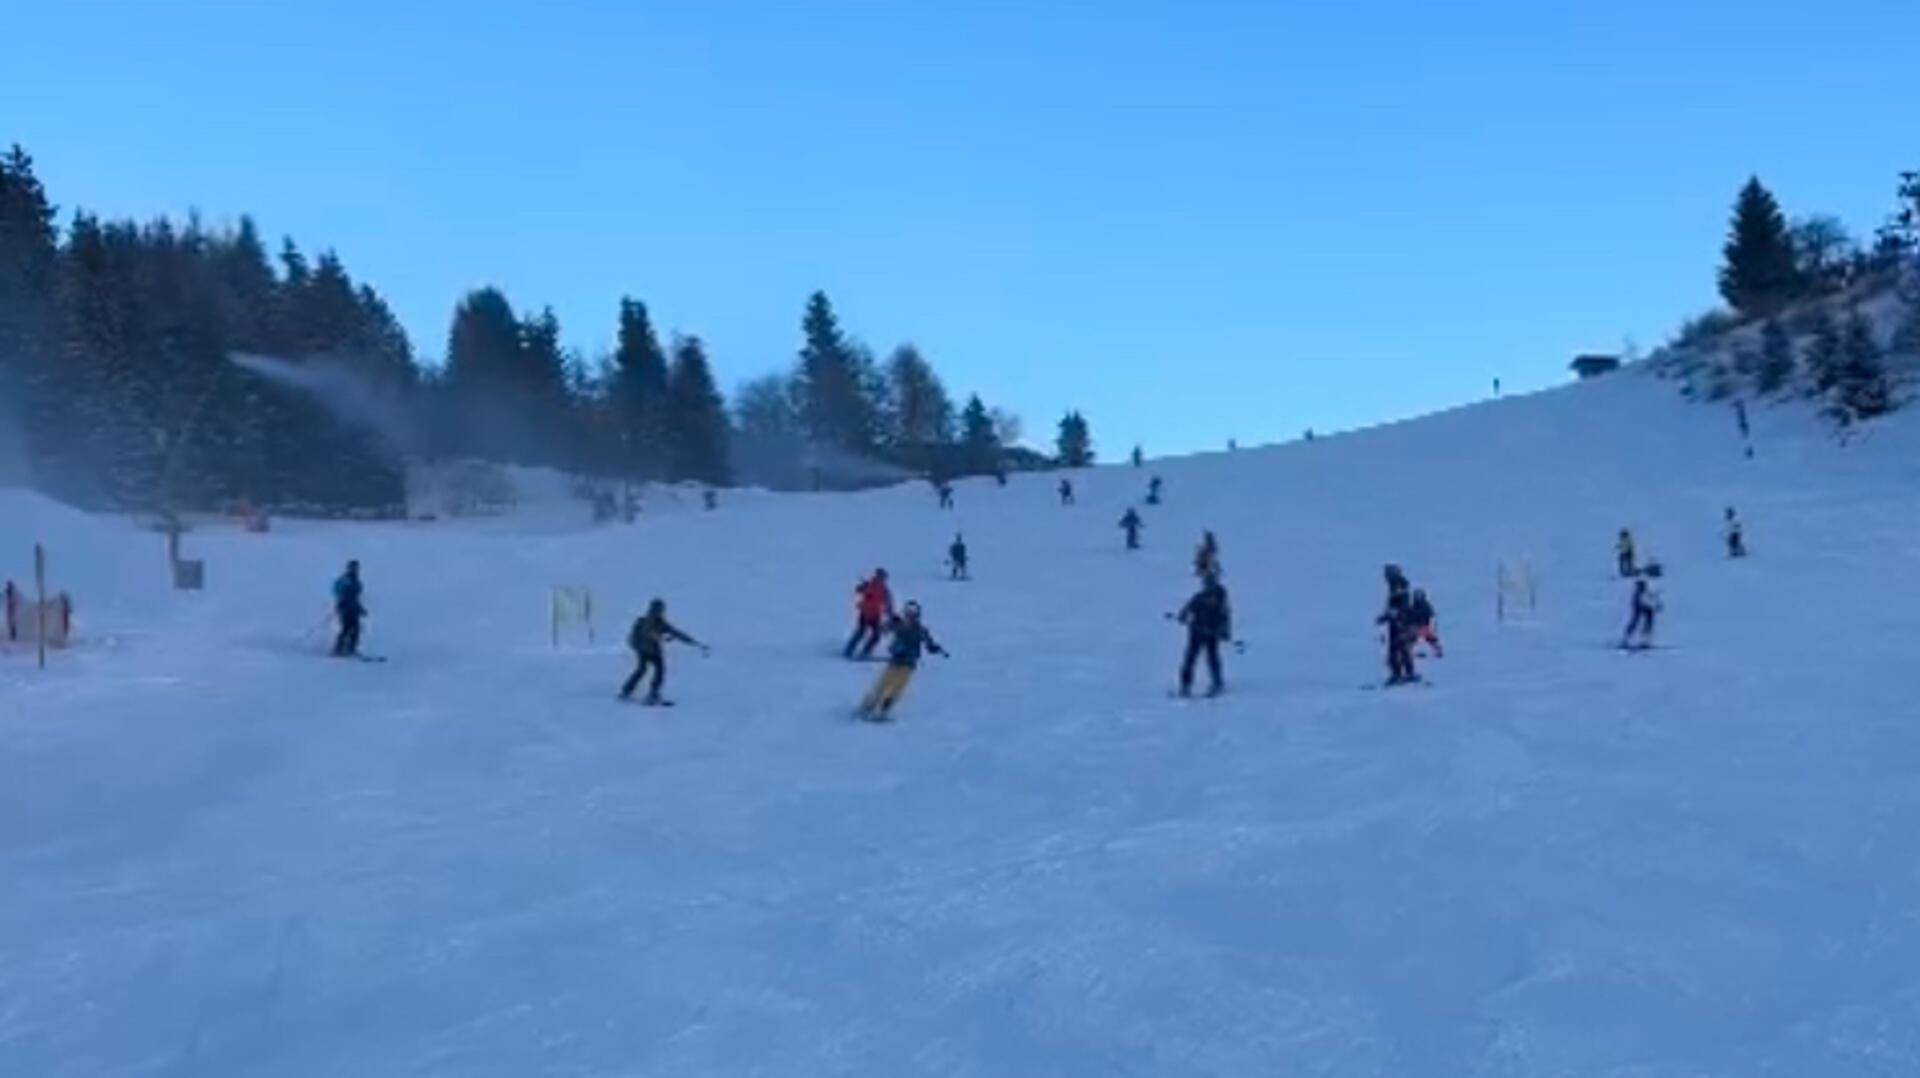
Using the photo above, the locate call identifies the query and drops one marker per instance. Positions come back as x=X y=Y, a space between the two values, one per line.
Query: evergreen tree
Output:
x=1075 y=442
x=30 y=375
x=979 y=439
x=1758 y=276
x=1775 y=364
x=697 y=416
x=639 y=393
x=1862 y=388
x=483 y=376
x=920 y=409
x=1825 y=352
x=834 y=399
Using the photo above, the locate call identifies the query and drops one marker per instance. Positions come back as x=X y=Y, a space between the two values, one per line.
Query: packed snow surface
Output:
x=224 y=854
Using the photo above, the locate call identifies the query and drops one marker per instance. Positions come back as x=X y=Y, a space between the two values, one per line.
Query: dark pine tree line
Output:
x=162 y=367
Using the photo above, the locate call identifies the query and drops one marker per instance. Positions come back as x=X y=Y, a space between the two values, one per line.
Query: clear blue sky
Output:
x=1190 y=220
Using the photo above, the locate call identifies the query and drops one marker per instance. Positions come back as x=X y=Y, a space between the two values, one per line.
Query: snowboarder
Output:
x=1139 y=458
x=1153 y=491
x=1131 y=524
x=1736 y=535
x=957 y=558
x=648 y=639
x=910 y=640
x=349 y=610
x=1646 y=604
x=1206 y=560
x=1398 y=620
x=873 y=608
x=1209 y=622
x=1066 y=492
x=1420 y=613
x=1624 y=547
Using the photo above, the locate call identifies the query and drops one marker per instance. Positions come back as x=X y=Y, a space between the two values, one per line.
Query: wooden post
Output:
x=40 y=596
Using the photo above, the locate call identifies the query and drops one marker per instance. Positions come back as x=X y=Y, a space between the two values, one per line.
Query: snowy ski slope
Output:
x=221 y=854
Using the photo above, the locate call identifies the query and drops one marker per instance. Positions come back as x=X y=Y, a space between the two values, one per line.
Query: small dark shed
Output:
x=1593 y=366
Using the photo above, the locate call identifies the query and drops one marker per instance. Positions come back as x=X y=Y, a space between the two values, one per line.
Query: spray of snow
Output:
x=349 y=395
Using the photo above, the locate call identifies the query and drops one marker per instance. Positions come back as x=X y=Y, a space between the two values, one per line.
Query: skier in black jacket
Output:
x=648 y=639
x=957 y=559
x=1209 y=622
x=348 y=609
x=1398 y=618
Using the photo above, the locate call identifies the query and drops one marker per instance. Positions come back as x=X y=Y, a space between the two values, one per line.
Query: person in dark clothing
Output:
x=1398 y=620
x=648 y=638
x=945 y=490
x=1206 y=559
x=873 y=608
x=1066 y=492
x=349 y=610
x=1139 y=458
x=1131 y=524
x=1624 y=547
x=1420 y=611
x=1736 y=535
x=711 y=498
x=1153 y=491
x=1740 y=414
x=957 y=558
x=1646 y=604
x=1209 y=623
x=910 y=640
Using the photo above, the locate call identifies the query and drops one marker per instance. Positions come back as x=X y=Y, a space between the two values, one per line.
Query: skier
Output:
x=873 y=607
x=1736 y=535
x=1740 y=415
x=1131 y=524
x=1206 y=560
x=1646 y=604
x=348 y=608
x=910 y=640
x=711 y=498
x=648 y=639
x=945 y=490
x=1139 y=458
x=1066 y=492
x=1209 y=622
x=1398 y=619
x=1153 y=491
x=957 y=558
x=1624 y=547
x=1420 y=614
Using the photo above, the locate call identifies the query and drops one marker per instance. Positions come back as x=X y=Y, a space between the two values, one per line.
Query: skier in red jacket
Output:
x=873 y=607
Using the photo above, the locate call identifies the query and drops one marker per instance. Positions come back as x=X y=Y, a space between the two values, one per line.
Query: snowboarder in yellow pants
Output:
x=910 y=639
